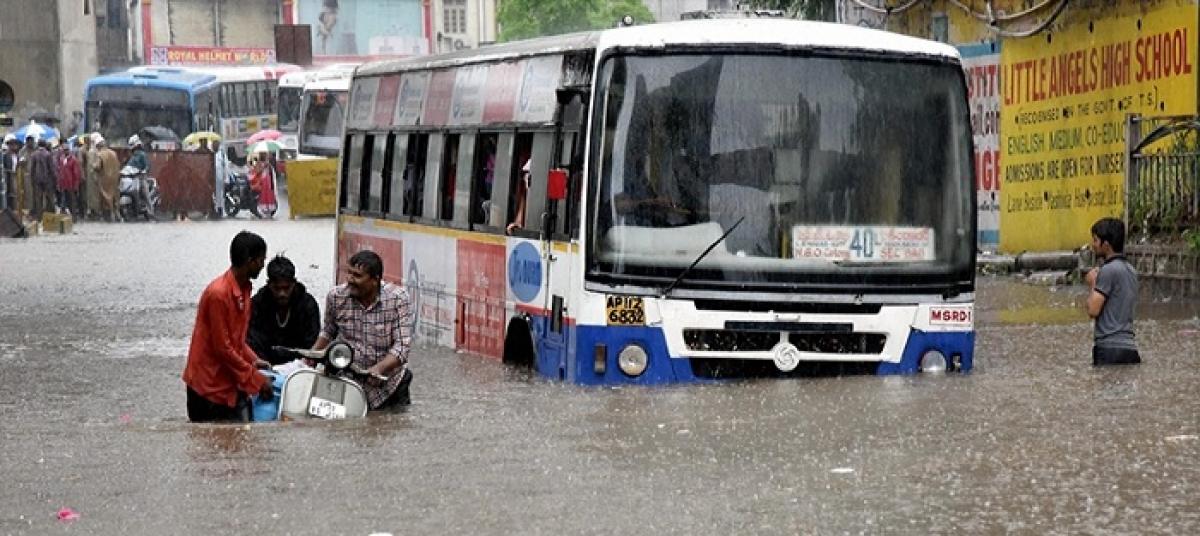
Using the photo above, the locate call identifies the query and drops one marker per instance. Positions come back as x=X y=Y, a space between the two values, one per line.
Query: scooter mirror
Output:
x=339 y=355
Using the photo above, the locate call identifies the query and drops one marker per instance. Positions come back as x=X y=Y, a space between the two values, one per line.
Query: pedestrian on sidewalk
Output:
x=43 y=173
x=107 y=167
x=8 y=172
x=88 y=187
x=1112 y=297
x=69 y=180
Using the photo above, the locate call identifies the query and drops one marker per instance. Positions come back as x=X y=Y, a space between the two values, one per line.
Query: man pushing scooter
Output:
x=222 y=371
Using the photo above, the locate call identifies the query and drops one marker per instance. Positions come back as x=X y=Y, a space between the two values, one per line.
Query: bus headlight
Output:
x=933 y=361
x=633 y=360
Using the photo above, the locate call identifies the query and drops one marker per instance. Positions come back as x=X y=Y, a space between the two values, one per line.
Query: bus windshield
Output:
x=833 y=172
x=321 y=123
x=117 y=112
x=289 y=108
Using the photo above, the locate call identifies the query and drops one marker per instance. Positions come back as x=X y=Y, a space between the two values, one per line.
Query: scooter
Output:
x=318 y=392
x=130 y=204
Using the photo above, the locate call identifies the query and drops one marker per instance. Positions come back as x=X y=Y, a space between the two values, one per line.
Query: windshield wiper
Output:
x=704 y=253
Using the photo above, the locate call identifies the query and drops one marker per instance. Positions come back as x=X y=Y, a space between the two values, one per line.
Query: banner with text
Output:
x=1064 y=99
x=194 y=55
x=982 y=66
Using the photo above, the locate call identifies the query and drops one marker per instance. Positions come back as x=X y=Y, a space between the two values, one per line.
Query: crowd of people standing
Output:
x=79 y=177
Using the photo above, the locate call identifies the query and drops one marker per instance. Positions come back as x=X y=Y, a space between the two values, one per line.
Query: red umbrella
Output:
x=269 y=134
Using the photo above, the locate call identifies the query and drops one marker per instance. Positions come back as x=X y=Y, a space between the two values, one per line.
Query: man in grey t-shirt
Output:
x=1113 y=296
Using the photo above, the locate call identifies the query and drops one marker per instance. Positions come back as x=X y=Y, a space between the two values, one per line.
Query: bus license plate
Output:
x=625 y=311
x=325 y=409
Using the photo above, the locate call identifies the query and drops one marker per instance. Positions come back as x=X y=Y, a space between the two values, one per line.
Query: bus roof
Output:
x=161 y=78
x=302 y=78
x=340 y=83
x=224 y=73
x=767 y=32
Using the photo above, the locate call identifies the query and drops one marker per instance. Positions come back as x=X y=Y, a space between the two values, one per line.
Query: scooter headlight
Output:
x=633 y=360
x=339 y=355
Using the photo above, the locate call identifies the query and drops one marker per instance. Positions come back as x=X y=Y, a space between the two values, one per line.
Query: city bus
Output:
x=322 y=113
x=235 y=102
x=674 y=202
x=291 y=91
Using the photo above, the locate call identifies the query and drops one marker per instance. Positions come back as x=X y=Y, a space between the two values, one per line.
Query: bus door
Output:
x=551 y=329
x=560 y=227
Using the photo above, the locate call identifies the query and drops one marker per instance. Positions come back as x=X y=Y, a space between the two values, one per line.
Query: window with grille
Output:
x=454 y=16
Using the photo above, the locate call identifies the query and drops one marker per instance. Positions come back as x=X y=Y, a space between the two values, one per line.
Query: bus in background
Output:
x=235 y=102
x=118 y=105
x=291 y=90
x=322 y=113
x=634 y=205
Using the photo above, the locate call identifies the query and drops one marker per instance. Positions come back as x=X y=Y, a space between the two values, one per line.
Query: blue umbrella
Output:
x=39 y=132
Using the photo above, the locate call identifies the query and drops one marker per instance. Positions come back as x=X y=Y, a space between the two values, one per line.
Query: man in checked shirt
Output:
x=375 y=318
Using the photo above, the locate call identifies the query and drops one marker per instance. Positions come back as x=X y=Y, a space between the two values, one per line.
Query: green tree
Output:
x=522 y=19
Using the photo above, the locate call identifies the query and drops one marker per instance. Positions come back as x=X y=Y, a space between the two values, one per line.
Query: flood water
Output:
x=94 y=329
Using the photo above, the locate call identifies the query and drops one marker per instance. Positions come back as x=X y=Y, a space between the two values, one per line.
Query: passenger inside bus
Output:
x=486 y=162
x=449 y=174
x=520 y=191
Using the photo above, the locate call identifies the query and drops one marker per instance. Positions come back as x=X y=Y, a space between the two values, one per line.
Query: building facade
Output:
x=1050 y=88
x=50 y=52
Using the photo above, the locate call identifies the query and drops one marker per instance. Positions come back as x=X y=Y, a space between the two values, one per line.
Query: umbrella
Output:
x=39 y=132
x=195 y=137
x=269 y=134
x=265 y=146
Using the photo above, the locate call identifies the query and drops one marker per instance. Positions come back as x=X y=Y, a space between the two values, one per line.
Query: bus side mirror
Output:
x=556 y=184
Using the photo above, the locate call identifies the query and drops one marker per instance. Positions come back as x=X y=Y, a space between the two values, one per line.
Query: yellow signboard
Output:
x=1064 y=99
x=312 y=187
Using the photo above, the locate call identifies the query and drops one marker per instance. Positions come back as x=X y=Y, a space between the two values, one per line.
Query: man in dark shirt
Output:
x=1113 y=296
x=282 y=313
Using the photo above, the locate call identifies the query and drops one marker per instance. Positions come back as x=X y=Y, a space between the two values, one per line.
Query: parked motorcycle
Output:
x=139 y=196
x=239 y=195
x=320 y=392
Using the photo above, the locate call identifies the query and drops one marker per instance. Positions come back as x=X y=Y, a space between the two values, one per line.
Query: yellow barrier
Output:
x=312 y=187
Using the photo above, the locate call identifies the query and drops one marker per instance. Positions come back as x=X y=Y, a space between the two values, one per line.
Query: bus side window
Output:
x=464 y=173
x=367 y=193
x=428 y=194
x=414 y=174
x=399 y=176
x=571 y=158
x=499 y=204
x=518 y=183
x=245 y=92
x=539 y=167
x=352 y=171
x=349 y=153
x=381 y=174
x=269 y=98
x=224 y=101
x=483 y=178
x=447 y=176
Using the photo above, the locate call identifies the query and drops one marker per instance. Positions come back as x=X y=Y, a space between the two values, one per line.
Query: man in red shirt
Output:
x=222 y=371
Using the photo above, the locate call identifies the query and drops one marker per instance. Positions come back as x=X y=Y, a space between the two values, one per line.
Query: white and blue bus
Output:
x=235 y=102
x=323 y=106
x=674 y=202
x=291 y=99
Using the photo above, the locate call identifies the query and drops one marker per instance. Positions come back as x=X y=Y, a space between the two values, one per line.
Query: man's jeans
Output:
x=201 y=409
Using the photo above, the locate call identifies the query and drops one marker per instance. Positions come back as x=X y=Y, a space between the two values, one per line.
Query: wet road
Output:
x=94 y=329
